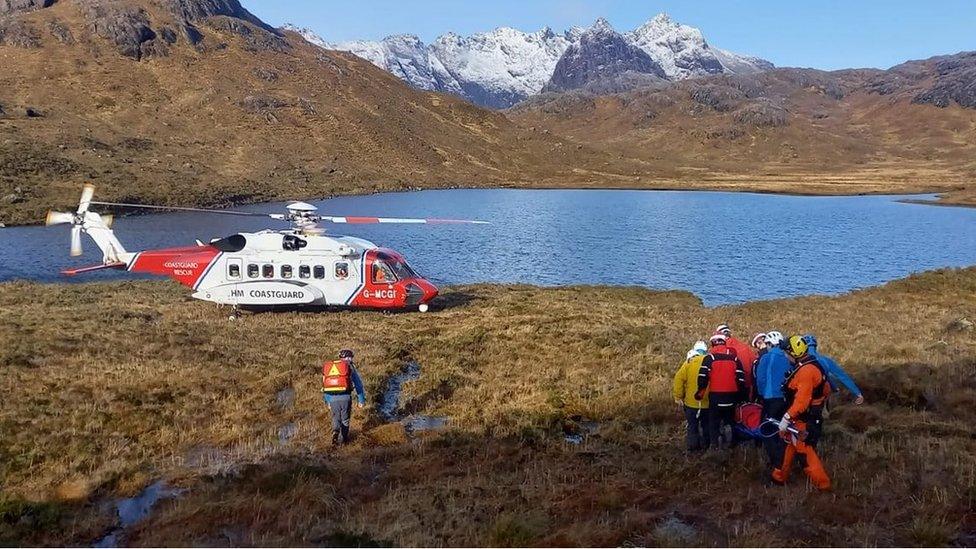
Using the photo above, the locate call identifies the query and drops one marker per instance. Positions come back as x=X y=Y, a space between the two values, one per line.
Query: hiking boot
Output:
x=335 y=438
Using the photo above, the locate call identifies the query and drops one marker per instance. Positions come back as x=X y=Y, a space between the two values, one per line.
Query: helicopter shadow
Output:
x=452 y=300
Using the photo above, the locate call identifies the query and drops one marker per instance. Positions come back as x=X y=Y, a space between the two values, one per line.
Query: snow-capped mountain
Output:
x=502 y=67
x=495 y=69
x=498 y=68
x=681 y=50
x=600 y=54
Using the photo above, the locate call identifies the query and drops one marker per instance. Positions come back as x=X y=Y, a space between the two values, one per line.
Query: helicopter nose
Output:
x=429 y=290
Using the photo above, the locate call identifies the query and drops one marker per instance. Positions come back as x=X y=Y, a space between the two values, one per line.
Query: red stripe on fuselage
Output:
x=185 y=265
x=362 y=220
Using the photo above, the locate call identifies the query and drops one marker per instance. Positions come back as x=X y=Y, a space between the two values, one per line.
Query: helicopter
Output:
x=300 y=267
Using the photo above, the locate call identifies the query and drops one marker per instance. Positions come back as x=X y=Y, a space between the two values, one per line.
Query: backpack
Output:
x=336 y=376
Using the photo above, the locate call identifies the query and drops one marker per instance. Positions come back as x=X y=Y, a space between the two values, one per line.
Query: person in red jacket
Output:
x=723 y=375
x=806 y=386
x=745 y=352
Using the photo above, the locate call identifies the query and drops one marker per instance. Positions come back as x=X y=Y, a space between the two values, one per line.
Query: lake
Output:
x=724 y=247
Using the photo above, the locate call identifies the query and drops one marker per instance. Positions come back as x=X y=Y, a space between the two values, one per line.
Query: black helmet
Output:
x=345 y=353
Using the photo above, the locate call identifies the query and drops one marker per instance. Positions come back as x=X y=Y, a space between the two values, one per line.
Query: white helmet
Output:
x=774 y=338
x=691 y=354
x=700 y=347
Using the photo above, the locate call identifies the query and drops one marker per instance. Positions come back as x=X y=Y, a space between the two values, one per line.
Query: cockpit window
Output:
x=399 y=268
x=382 y=273
x=402 y=270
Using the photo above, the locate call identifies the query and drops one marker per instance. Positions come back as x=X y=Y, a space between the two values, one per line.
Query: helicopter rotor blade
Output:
x=87 y=192
x=57 y=218
x=185 y=209
x=351 y=220
x=75 y=240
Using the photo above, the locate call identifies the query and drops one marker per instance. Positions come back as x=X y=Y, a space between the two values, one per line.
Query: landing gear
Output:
x=234 y=314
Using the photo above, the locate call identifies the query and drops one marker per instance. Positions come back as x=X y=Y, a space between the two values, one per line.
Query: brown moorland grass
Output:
x=108 y=387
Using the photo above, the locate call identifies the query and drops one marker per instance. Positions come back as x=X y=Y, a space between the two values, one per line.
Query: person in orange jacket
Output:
x=745 y=352
x=806 y=385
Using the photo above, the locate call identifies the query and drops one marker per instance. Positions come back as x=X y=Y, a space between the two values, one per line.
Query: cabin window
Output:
x=304 y=271
x=319 y=271
x=286 y=271
x=382 y=274
x=341 y=270
x=252 y=270
x=234 y=271
x=267 y=271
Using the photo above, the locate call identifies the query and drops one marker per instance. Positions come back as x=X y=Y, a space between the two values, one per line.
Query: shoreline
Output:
x=942 y=194
x=450 y=289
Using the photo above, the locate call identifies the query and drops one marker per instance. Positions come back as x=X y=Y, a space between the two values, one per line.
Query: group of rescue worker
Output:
x=789 y=378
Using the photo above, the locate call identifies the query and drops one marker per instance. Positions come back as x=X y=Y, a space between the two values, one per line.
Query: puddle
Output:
x=390 y=401
x=286 y=431
x=135 y=509
x=577 y=429
x=285 y=398
x=414 y=424
x=389 y=406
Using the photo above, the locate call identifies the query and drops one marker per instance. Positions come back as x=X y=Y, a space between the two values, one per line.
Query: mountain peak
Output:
x=601 y=26
x=662 y=19
x=660 y=25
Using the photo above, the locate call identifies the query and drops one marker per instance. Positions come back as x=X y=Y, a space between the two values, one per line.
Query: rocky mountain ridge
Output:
x=499 y=68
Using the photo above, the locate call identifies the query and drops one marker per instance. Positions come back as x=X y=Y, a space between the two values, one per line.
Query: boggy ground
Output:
x=108 y=387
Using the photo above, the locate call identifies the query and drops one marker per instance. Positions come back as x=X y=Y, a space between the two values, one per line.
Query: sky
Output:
x=824 y=34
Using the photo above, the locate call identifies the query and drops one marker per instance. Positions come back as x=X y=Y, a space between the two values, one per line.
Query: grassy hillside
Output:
x=227 y=111
x=907 y=129
x=109 y=387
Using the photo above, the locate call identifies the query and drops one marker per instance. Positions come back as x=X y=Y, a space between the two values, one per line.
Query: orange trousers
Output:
x=814 y=469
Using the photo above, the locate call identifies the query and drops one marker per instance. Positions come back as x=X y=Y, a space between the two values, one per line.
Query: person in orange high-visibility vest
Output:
x=339 y=379
x=806 y=386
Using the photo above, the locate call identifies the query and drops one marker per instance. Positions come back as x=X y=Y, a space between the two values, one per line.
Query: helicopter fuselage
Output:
x=290 y=269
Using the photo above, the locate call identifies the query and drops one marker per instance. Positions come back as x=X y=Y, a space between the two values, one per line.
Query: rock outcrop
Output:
x=138 y=34
x=601 y=54
x=13 y=6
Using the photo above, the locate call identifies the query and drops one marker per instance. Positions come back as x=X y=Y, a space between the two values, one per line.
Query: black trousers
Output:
x=814 y=417
x=697 y=431
x=775 y=446
x=721 y=411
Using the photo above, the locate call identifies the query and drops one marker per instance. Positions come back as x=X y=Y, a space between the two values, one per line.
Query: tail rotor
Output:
x=79 y=219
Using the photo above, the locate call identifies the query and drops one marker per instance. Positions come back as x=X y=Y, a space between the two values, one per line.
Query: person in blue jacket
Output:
x=770 y=374
x=835 y=374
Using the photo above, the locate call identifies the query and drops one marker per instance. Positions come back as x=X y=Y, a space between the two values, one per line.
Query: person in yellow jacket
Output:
x=685 y=387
